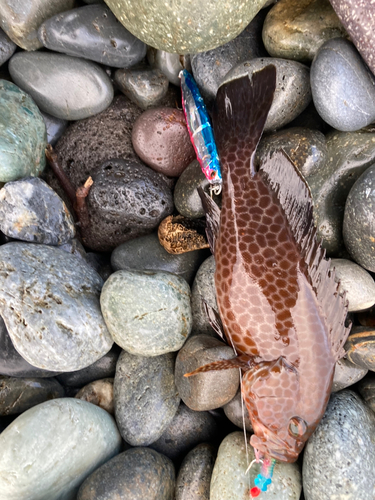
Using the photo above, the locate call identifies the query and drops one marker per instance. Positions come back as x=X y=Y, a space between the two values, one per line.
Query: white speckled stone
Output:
x=49 y=450
x=229 y=482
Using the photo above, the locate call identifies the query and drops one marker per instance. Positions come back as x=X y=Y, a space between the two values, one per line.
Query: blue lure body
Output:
x=200 y=130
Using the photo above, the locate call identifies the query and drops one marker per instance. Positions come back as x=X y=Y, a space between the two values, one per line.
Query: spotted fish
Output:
x=278 y=301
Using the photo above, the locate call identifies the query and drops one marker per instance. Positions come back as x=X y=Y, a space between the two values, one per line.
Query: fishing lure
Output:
x=200 y=130
x=278 y=300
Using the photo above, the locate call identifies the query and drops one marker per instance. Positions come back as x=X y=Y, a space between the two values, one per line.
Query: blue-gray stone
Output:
x=343 y=88
x=169 y=64
x=31 y=211
x=92 y=32
x=292 y=94
x=7 y=47
x=339 y=458
x=203 y=288
x=147 y=313
x=66 y=87
x=55 y=127
x=146 y=398
x=49 y=450
x=23 y=135
x=49 y=301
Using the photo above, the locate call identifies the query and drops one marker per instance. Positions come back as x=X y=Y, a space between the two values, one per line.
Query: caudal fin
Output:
x=240 y=112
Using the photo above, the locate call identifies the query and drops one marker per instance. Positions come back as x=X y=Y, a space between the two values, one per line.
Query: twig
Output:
x=60 y=173
x=80 y=206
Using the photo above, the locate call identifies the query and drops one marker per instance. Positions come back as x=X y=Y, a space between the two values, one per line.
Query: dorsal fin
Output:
x=295 y=198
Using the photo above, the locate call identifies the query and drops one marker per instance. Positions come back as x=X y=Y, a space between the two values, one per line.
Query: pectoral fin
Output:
x=242 y=361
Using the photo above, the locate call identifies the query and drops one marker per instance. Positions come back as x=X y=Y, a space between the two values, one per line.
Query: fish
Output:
x=200 y=131
x=279 y=305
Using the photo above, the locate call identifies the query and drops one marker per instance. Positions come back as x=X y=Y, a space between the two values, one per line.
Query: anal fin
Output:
x=214 y=319
x=212 y=218
x=242 y=361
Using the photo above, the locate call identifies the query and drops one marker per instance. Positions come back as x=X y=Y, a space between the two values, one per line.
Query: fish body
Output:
x=200 y=129
x=278 y=301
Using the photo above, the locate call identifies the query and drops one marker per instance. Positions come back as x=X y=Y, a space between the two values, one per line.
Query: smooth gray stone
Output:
x=343 y=88
x=100 y=393
x=229 y=482
x=146 y=398
x=237 y=413
x=94 y=33
x=185 y=28
x=194 y=476
x=187 y=429
x=358 y=284
x=49 y=450
x=146 y=253
x=292 y=94
x=66 y=87
x=207 y=390
x=147 y=313
x=12 y=363
x=145 y=86
x=136 y=474
x=339 y=458
x=170 y=64
x=210 y=67
x=349 y=155
x=19 y=394
x=23 y=137
x=49 y=301
x=102 y=368
x=7 y=47
x=21 y=20
x=203 y=288
x=31 y=211
x=55 y=128
x=366 y=389
x=358 y=227
x=346 y=374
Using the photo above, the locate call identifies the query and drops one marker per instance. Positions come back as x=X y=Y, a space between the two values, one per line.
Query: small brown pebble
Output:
x=99 y=393
x=179 y=235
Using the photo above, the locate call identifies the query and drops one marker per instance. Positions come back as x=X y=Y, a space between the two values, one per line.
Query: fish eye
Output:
x=297 y=427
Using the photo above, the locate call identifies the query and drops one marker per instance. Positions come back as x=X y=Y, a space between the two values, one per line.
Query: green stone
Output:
x=23 y=136
x=185 y=27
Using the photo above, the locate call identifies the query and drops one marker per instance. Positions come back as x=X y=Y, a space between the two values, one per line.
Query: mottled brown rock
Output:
x=99 y=393
x=358 y=18
x=161 y=139
x=360 y=347
x=178 y=234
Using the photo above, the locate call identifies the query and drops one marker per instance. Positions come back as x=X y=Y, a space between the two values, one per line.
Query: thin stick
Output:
x=80 y=206
x=60 y=173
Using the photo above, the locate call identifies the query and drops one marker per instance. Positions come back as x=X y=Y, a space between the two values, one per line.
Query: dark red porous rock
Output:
x=161 y=139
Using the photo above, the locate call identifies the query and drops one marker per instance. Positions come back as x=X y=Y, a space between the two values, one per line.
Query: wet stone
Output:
x=358 y=229
x=55 y=127
x=148 y=313
x=208 y=390
x=94 y=33
x=187 y=429
x=358 y=18
x=194 y=476
x=99 y=393
x=358 y=284
x=49 y=301
x=366 y=389
x=21 y=24
x=292 y=94
x=102 y=368
x=306 y=148
x=295 y=29
x=49 y=450
x=12 y=363
x=145 y=86
x=7 y=47
x=67 y=87
x=126 y=200
x=210 y=67
x=161 y=139
x=339 y=457
x=135 y=474
x=168 y=63
x=346 y=374
x=342 y=87
x=236 y=412
x=203 y=288
x=23 y=134
x=349 y=155
x=145 y=395
x=186 y=198
x=360 y=347
x=229 y=481
x=146 y=254
x=31 y=211
x=19 y=394
x=178 y=31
